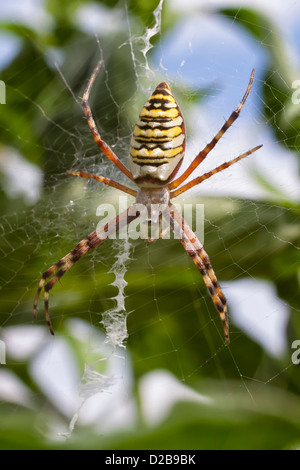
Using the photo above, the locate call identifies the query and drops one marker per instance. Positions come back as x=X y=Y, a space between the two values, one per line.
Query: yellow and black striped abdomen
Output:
x=158 y=141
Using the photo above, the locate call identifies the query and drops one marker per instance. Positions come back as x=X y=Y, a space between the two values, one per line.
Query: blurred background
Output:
x=138 y=360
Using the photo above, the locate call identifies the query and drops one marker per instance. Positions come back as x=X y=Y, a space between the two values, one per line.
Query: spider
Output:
x=156 y=154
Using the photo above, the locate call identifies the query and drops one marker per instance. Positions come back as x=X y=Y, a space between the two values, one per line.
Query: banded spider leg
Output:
x=95 y=238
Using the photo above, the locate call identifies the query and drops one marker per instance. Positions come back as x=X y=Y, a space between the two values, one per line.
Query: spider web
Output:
x=135 y=284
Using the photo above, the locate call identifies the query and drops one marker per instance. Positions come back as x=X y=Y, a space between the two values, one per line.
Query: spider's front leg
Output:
x=92 y=125
x=196 y=251
x=89 y=243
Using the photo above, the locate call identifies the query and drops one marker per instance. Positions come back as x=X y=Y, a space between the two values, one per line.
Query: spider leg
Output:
x=203 y=154
x=96 y=135
x=201 y=259
x=103 y=179
x=45 y=276
x=207 y=175
x=159 y=231
x=58 y=269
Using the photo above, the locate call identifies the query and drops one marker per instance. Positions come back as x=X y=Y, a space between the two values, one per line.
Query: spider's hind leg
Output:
x=46 y=276
x=57 y=270
x=95 y=238
x=195 y=250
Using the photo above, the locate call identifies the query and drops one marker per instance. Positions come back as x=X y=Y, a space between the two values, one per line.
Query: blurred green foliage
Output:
x=260 y=239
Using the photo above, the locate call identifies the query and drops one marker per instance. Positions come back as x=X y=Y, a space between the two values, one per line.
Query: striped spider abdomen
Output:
x=158 y=140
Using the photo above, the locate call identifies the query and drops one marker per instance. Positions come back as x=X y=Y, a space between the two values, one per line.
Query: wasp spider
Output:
x=156 y=154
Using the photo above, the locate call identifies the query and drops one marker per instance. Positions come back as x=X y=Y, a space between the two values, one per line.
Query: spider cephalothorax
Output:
x=156 y=153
